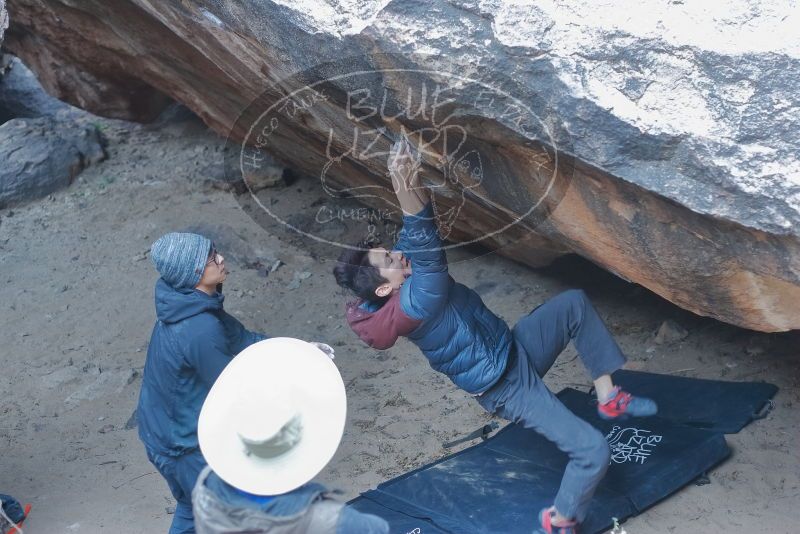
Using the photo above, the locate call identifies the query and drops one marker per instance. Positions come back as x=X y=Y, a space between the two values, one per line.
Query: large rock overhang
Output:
x=677 y=135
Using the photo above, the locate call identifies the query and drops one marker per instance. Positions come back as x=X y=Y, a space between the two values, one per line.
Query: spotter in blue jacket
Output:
x=192 y=342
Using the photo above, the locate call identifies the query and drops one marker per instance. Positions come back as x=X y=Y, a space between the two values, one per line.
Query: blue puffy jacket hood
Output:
x=175 y=305
x=192 y=342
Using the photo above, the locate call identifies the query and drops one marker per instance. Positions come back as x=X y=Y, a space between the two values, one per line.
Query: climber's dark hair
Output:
x=353 y=271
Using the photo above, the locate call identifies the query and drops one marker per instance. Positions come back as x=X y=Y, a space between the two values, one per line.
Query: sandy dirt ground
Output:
x=76 y=311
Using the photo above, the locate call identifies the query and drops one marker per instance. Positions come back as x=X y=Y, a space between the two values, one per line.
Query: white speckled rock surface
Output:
x=3 y=19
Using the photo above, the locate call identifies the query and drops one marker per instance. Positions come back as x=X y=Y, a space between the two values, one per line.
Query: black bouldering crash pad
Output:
x=501 y=484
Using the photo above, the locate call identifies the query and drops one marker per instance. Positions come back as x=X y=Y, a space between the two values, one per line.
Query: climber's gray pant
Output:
x=522 y=397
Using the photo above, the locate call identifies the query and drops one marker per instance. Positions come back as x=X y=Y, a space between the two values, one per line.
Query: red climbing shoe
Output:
x=549 y=527
x=622 y=405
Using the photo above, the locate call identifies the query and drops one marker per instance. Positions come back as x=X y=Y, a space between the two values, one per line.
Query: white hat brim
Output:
x=319 y=397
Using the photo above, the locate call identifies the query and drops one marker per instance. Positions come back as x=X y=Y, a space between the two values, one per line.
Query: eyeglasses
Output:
x=214 y=256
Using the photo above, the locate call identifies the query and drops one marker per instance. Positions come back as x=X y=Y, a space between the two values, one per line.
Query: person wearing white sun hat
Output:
x=271 y=422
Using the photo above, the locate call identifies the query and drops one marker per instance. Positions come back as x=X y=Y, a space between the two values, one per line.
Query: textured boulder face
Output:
x=3 y=26
x=102 y=81
x=3 y=19
x=21 y=95
x=43 y=155
x=676 y=126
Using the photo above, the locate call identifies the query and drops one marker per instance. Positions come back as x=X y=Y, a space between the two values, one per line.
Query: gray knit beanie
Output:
x=180 y=258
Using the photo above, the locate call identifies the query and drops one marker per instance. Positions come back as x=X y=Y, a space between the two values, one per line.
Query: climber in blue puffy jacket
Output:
x=408 y=292
x=192 y=342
